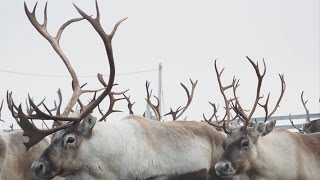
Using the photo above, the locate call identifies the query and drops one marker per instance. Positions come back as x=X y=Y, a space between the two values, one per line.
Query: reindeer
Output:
x=15 y=161
x=131 y=148
x=262 y=152
x=308 y=126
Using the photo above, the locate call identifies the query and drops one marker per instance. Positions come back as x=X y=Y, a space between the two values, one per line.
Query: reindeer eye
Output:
x=70 y=140
x=245 y=143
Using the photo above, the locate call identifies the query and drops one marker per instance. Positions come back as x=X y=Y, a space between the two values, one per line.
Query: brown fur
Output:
x=280 y=154
x=3 y=151
x=312 y=126
x=17 y=161
x=165 y=142
x=189 y=129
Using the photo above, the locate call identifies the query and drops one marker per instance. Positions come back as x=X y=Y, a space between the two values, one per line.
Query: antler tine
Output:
x=1 y=105
x=214 y=112
x=209 y=121
x=44 y=123
x=11 y=106
x=35 y=135
x=112 y=99
x=60 y=102
x=260 y=78
x=74 y=87
x=222 y=90
x=305 y=107
x=241 y=113
x=107 y=43
x=41 y=115
x=57 y=109
x=265 y=106
x=180 y=110
x=1 y=110
x=214 y=124
x=129 y=103
x=283 y=88
x=30 y=110
x=174 y=113
x=237 y=106
x=189 y=96
x=224 y=117
x=155 y=108
x=300 y=130
x=54 y=41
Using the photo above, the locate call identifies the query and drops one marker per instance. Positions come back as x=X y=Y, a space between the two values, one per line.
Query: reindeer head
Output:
x=69 y=132
x=240 y=146
x=308 y=126
x=62 y=156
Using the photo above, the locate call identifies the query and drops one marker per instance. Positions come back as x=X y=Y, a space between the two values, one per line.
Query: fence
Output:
x=284 y=122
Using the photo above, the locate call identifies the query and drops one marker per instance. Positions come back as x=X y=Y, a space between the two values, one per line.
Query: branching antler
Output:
x=214 y=114
x=112 y=99
x=57 y=108
x=215 y=123
x=260 y=79
x=305 y=107
x=55 y=43
x=155 y=108
x=35 y=135
x=240 y=112
x=226 y=101
x=300 y=130
x=265 y=106
x=237 y=108
x=180 y=110
x=129 y=103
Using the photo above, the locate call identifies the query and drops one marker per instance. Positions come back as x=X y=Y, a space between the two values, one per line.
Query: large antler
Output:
x=35 y=135
x=239 y=110
x=226 y=100
x=180 y=110
x=237 y=107
x=55 y=43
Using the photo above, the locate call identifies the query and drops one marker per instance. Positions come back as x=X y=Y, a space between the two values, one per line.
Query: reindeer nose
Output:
x=223 y=168
x=39 y=167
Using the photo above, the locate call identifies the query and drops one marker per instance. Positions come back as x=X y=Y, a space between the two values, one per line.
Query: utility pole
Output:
x=148 y=108
x=148 y=112
x=160 y=88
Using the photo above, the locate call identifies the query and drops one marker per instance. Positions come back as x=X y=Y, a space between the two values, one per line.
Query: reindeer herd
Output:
x=80 y=145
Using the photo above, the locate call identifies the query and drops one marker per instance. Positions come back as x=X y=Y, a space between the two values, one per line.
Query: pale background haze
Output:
x=186 y=36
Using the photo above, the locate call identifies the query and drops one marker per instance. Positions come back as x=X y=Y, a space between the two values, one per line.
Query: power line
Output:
x=66 y=76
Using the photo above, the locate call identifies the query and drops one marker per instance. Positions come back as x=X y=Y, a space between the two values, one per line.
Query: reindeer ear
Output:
x=265 y=128
x=306 y=127
x=86 y=125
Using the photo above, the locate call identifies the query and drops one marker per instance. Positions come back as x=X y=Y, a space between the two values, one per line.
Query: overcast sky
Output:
x=185 y=36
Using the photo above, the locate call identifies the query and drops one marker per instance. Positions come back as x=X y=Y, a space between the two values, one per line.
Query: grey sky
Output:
x=186 y=36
